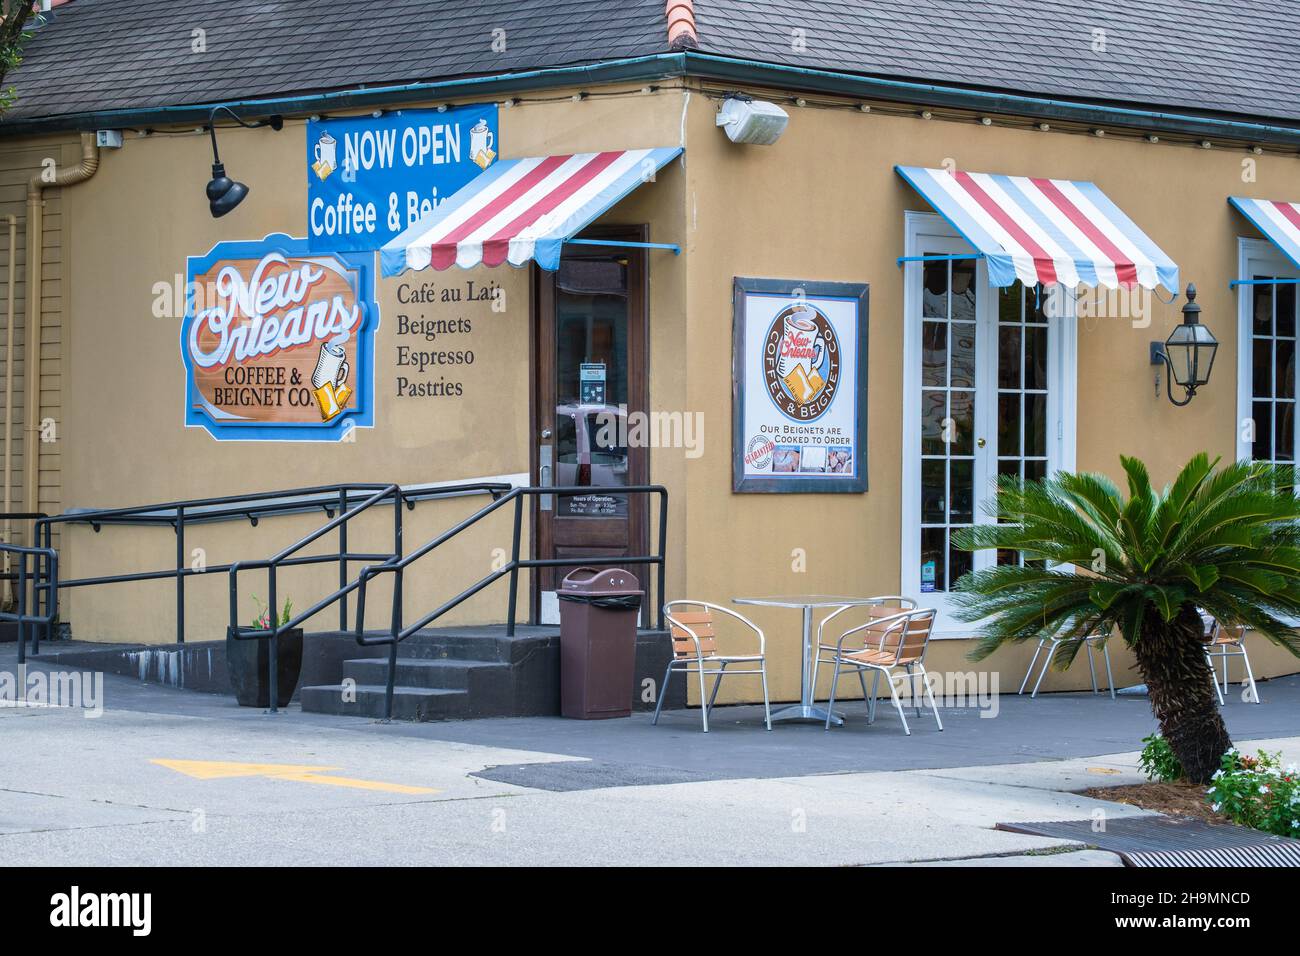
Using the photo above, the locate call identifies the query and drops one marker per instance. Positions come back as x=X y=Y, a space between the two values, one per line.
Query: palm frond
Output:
x=1222 y=537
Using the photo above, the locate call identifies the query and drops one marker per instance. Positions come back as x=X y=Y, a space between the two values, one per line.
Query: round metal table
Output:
x=805 y=709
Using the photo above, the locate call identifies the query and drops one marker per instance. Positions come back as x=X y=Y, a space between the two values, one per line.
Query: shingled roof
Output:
x=1229 y=56
x=1239 y=57
x=121 y=54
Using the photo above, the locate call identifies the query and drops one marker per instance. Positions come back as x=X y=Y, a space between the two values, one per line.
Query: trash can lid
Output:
x=600 y=581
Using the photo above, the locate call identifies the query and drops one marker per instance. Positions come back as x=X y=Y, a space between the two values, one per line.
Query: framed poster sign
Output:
x=799 y=386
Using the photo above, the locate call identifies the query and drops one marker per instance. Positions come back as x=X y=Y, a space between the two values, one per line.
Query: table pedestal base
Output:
x=805 y=712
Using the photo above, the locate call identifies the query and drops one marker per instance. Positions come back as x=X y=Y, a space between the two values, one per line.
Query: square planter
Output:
x=248 y=664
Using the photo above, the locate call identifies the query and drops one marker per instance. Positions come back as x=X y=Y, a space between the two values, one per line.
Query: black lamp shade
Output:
x=224 y=194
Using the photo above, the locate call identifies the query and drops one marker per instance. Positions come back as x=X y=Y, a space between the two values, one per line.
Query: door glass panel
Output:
x=948 y=416
x=1009 y=427
x=963 y=355
x=1286 y=311
x=961 y=489
x=961 y=422
x=933 y=412
x=1009 y=356
x=963 y=290
x=1263 y=449
x=1035 y=426
x=933 y=491
x=1035 y=357
x=591 y=369
x=1263 y=307
x=934 y=353
x=1262 y=364
x=934 y=565
x=935 y=296
x=1284 y=367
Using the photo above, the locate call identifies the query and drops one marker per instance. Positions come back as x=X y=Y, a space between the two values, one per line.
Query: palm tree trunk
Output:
x=1171 y=657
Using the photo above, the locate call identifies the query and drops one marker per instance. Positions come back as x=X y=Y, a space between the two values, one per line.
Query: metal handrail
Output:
x=19 y=615
x=333 y=499
x=397 y=633
x=273 y=565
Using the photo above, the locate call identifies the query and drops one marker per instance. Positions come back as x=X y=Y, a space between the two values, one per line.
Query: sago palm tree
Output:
x=1226 y=540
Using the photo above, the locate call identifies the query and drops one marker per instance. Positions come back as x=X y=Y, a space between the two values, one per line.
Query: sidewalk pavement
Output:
x=170 y=777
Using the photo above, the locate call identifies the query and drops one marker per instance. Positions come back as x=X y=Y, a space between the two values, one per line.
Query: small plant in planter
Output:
x=1258 y=792
x=263 y=620
x=248 y=659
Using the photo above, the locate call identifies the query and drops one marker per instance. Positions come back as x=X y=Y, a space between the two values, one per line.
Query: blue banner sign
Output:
x=370 y=178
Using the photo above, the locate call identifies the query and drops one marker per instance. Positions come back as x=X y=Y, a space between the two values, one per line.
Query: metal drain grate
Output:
x=1159 y=840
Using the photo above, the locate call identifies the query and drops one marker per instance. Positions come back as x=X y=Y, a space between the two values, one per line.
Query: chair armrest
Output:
x=762 y=639
x=890 y=623
x=831 y=616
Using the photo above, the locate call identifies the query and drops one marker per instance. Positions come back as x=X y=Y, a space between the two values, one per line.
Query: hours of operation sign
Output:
x=799 y=369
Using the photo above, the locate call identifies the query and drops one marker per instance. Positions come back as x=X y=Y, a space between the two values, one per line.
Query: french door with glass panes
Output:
x=989 y=384
x=1266 y=381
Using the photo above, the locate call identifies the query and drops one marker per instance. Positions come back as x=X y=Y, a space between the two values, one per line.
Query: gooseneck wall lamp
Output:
x=1188 y=353
x=224 y=193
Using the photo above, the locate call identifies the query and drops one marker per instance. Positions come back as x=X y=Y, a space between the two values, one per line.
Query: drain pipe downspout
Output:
x=9 y=397
x=32 y=350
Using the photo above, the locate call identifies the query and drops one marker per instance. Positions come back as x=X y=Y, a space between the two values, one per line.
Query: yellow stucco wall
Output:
x=823 y=203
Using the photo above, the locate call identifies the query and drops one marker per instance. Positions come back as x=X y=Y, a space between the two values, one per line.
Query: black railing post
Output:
x=514 y=565
x=46 y=629
x=398 y=610
x=180 y=575
x=392 y=680
x=663 y=557
x=36 y=626
x=343 y=561
x=22 y=614
x=272 y=657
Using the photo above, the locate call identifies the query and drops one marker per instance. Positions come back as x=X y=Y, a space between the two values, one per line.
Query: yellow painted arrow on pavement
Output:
x=220 y=769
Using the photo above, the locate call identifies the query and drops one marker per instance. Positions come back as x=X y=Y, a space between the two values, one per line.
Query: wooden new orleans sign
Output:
x=278 y=343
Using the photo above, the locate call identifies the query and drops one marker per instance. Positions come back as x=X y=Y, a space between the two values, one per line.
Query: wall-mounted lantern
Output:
x=1188 y=353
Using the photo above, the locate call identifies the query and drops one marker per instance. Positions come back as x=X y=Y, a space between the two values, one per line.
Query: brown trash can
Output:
x=598 y=616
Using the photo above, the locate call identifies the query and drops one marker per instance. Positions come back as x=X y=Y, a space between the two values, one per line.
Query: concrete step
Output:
x=409 y=703
x=421 y=672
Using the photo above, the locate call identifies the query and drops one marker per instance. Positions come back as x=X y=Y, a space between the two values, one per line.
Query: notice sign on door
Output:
x=800 y=371
x=592 y=380
x=370 y=178
x=278 y=344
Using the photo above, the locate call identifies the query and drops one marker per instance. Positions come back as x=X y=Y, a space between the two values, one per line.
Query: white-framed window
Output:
x=1267 y=321
x=988 y=389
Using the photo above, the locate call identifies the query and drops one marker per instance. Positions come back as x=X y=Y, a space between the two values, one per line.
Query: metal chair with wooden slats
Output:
x=1224 y=641
x=695 y=650
x=1050 y=644
x=889 y=640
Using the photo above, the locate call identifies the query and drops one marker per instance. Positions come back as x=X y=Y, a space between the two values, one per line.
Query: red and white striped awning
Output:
x=522 y=209
x=1045 y=230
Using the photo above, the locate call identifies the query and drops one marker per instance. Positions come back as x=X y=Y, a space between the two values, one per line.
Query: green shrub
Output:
x=1257 y=792
x=1158 y=760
